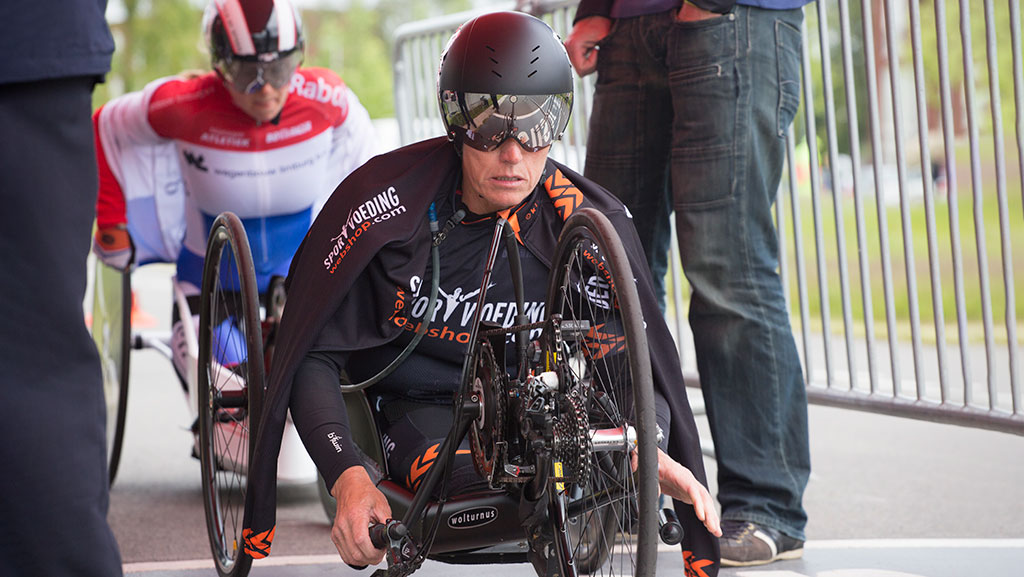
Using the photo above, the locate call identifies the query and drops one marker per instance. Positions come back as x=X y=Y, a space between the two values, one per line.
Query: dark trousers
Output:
x=690 y=118
x=53 y=503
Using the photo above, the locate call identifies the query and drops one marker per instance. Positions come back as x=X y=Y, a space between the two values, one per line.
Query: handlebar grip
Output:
x=379 y=535
x=669 y=528
x=382 y=534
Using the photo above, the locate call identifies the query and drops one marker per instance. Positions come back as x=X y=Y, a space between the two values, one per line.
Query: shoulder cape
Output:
x=375 y=222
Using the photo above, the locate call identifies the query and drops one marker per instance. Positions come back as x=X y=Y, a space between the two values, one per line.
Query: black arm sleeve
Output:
x=318 y=411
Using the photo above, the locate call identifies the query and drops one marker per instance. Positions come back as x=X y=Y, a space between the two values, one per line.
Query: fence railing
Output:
x=896 y=226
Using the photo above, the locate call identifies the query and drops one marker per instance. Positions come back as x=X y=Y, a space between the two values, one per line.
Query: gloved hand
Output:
x=113 y=245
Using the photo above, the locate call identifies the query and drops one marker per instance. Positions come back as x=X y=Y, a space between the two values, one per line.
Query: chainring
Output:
x=487 y=431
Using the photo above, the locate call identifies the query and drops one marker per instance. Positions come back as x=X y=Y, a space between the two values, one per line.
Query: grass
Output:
x=978 y=227
x=975 y=266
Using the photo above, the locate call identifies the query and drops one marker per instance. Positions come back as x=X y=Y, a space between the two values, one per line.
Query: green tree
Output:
x=156 y=38
x=979 y=57
x=352 y=44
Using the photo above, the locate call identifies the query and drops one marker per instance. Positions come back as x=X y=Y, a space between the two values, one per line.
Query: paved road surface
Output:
x=888 y=497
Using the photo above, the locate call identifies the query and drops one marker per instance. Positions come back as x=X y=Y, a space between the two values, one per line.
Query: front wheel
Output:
x=230 y=388
x=605 y=523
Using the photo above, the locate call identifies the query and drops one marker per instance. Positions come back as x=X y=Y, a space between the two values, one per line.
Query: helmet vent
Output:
x=534 y=61
x=494 y=72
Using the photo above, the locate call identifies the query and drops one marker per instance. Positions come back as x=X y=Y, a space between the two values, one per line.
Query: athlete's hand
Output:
x=359 y=505
x=113 y=246
x=582 y=43
x=678 y=482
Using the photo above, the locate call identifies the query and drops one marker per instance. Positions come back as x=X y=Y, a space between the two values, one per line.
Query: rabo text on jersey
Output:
x=319 y=90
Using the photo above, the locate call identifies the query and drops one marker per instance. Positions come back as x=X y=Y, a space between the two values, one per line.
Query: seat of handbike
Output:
x=468 y=522
x=478 y=527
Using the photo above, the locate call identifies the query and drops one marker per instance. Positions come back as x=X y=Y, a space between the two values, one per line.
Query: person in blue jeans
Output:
x=690 y=111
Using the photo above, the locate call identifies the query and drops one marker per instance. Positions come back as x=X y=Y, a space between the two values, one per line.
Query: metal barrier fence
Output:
x=914 y=198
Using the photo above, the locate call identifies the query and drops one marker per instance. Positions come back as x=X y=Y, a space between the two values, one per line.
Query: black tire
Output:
x=111 y=330
x=591 y=280
x=231 y=385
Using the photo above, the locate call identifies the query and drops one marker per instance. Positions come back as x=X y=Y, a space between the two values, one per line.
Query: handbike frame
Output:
x=406 y=554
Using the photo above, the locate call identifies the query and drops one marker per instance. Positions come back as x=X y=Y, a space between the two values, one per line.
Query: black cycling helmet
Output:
x=253 y=42
x=502 y=75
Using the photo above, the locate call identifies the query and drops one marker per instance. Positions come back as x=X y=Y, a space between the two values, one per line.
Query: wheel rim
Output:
x=230 y=389
x=111 y=331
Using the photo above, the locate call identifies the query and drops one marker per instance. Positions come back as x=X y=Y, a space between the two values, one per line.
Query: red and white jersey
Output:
x=175 y=155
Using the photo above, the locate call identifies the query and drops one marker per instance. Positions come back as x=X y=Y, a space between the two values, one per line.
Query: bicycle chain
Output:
x=511 y=329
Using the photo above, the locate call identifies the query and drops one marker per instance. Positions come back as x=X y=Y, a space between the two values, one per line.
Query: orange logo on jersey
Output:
x=694 y=566
x=601 y=343
x=566 y=197
x=421 y=465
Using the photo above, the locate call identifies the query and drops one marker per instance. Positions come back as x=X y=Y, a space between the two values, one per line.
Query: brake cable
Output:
x=437 y=237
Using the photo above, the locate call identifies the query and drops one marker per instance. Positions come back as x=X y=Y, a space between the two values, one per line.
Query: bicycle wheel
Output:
x=230 y=388
x=111 y=331
x=605 y=522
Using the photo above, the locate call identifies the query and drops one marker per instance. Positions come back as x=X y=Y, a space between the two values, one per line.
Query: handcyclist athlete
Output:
x=357 y=290
x=258 y=135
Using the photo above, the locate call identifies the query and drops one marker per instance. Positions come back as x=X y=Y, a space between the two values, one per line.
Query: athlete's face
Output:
x=501 y=178
x=263 y=105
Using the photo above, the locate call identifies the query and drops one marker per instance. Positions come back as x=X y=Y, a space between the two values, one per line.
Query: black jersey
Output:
x=432 y=374
x=435 y=369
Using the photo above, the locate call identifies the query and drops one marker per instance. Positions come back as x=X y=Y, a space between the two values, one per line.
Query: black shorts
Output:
x=412 y=434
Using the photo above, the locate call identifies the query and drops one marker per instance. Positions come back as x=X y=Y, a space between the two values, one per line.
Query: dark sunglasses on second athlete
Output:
x=251 y=75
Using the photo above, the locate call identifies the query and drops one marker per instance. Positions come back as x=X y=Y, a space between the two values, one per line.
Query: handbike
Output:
x=230 y=351
x=567 y=444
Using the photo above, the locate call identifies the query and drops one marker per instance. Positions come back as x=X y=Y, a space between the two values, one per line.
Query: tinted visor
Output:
x=250 y=75
x=484 y=121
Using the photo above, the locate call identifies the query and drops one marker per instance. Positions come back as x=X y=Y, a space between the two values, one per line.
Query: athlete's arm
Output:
x=318 y=411
x=112 y=244
x=123 y=138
